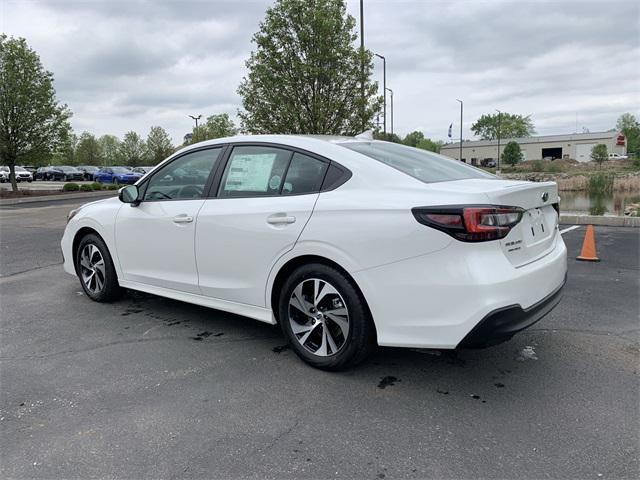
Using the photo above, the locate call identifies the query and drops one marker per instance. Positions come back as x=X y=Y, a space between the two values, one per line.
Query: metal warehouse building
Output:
x=576 y=146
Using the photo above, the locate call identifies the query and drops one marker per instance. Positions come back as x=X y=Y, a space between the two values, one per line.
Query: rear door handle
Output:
x=183 y=218
x=280 y=218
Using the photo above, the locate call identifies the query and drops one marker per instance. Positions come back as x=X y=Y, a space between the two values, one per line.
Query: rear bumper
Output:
x=503 y=323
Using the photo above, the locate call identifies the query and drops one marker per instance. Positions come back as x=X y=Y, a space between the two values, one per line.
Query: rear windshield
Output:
x=421 y=164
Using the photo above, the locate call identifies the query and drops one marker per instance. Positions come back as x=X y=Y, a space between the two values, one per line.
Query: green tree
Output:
x=508 y=125
x=412 y=139
x=630 y=128
x=512 y=154
x=88 y=151
x=387 y=137
x=32 y=122
x=216 y=126
x=599 y=153
x=111 y=151
x=305 y=75
x=65 y=150
x=428 y=144
x=159 y=145
x=133 y=150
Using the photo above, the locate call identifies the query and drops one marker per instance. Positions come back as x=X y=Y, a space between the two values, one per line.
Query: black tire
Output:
x=361 y=339
x=111 y=289
x=64 y=178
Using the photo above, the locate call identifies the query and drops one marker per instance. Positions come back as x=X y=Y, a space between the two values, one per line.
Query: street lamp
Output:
x=196 y=119
x=461 y=107
x=499 y=118
x=391 y=92
x=384 y=86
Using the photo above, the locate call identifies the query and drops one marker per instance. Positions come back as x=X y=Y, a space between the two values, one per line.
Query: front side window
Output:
x=305 y=175
x=254 y=171
x=184 y=178
x=421 y=164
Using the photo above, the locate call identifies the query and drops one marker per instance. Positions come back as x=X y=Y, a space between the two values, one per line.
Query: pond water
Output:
x=612 y=204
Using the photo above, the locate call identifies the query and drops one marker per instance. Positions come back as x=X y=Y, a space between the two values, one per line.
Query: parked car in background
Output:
x=88 y=171
x=617 y=156
x=142 y=170
x=47 y=173
x=70 y=174
x=116 y=175
x=4 y=174
x=30 y=169
x=281 y=228
x=23 y=175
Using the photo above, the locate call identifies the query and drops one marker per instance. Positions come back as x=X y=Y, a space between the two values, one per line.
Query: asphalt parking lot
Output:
x=153 y=388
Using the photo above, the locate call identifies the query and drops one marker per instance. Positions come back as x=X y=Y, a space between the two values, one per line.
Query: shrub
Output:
x=600 y=184
x=599 y=153
x=512 y=154
x=537 y=166
x=112 y=187
x=70 y=187
x=553 y=168
x=96 y=186
x=86 y=188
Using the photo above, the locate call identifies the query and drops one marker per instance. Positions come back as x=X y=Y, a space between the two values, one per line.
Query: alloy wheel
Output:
x=318 y=317
x=92 y=268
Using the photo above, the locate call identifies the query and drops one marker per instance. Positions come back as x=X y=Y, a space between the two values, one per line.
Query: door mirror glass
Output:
x=129 y=194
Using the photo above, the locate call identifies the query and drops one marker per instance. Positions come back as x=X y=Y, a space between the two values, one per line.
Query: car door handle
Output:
x=184 y=218
x=280 y=218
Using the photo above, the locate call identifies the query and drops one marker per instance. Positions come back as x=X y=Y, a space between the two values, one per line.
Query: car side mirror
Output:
x=129 y=194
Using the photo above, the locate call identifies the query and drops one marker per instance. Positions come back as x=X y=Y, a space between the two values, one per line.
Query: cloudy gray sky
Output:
x=127 y=65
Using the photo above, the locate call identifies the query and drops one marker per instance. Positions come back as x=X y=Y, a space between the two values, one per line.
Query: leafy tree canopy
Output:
x=32 y=122
x=512 y=154
x=306 y=75
x=412 y=139
x=508 y=125
x=88 y=151
x=599 y=153
x=428 y=144
x=630 y=128
x=133 y=150
x=111 y=152
x=159 y=145
x=216 y=126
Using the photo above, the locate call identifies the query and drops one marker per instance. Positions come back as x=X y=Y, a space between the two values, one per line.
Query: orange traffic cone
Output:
x=588 y=253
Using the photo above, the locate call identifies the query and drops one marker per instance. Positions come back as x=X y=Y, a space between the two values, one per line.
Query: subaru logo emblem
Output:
x=545 y=196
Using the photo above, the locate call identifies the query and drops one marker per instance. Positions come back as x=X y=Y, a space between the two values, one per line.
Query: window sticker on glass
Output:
x=250 y=173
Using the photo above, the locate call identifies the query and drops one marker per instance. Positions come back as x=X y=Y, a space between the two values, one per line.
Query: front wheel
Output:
x=114 y=181
x=325 y=318
x=96 y=271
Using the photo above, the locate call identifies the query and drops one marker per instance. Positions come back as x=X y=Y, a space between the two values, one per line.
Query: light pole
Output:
x=461 y=107
x=384 y=86
x=499 y=118
x=364 y=108
x=391 y=92
x=196 y=119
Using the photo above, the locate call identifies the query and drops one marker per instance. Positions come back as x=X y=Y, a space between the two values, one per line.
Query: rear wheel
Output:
x=96 y=271
x=325 y=318
x=114 y=181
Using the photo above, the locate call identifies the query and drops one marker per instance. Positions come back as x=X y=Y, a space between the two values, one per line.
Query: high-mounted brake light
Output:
x=477 y=223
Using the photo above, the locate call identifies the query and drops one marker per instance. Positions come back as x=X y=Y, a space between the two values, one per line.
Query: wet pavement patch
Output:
x=280 y=349
x=219 y=334
x=499 y=385
x=174 y=323
x=201 y=335
x=442 y=392
x=388 y=381
x=475 y=397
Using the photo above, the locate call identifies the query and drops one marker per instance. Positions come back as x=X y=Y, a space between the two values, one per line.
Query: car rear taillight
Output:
x=477 y=223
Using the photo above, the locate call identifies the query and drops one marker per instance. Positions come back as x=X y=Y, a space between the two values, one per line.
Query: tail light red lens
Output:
x=477 y=223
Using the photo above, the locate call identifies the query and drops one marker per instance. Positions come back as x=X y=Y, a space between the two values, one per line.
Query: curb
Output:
x=574 y=219
x=62 y=196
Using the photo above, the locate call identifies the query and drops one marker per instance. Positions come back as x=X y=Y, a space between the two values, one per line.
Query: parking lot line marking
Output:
x=568 y=229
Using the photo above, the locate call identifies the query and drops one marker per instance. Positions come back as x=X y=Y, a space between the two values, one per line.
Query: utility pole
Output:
x=499 y=118
x=384 y=87
x=461 y=107
x=391 y=92
x=364 y=121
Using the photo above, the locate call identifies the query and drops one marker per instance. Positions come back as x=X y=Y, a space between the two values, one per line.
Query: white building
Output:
x=576 y=146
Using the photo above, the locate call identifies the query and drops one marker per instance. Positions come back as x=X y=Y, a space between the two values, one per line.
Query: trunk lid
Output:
x=535 y=235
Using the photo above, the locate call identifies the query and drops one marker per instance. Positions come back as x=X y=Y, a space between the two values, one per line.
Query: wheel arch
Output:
x=295 y=262
x=77 y=238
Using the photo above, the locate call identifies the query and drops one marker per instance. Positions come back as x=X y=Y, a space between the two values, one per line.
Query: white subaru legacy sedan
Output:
x=344 y=242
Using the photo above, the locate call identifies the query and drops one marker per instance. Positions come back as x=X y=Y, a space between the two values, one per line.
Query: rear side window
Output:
x=305 y=175
x=421 y=164
x=254 y=172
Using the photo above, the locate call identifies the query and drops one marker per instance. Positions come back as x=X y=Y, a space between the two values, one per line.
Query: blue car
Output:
x=116 y=175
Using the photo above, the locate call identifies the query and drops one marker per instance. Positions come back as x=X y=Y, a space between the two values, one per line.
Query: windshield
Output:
x=66 y=169
x=20 y=169
x=4 y=169
x=120 y=170
x=424 y=165
x=89 y=169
